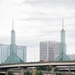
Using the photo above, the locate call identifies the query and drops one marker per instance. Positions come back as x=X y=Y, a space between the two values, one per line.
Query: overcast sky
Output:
x=37 y=20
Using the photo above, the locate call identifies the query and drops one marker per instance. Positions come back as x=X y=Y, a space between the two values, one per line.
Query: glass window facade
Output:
x=5 y=52
x=49 y=50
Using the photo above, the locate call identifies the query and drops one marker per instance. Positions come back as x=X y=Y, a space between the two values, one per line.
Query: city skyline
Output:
x=37 y=20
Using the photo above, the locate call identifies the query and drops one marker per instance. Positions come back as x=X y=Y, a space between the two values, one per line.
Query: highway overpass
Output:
x=36 y=64
x=53 y=64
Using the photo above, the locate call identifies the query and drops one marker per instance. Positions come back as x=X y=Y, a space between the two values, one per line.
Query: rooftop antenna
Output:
x=62 y=23
x=12 y=24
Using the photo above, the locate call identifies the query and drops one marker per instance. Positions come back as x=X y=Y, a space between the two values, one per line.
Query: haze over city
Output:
x=36 y=21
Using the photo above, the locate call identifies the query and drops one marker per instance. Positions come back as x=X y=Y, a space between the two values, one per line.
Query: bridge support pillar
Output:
x=22 y=71
x=52 y=70
x=6 y=72
x=69 y=71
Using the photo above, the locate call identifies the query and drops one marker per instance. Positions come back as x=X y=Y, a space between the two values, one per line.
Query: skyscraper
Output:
x=13 y=48
x=49 y=50
x=62 y=56
x=13 y=58
x=5 y=52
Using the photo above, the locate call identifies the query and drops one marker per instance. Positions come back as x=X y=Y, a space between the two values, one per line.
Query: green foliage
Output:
x=10 y=73
x=28 y=73
x=39 y=73
x=58 y=73
x=44 y=68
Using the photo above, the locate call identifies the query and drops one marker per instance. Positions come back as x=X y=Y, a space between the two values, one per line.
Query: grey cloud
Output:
x=35 y=12
x=38 y=1
x=35 y=1
x=42 y=18
x=50 y=1
x=71 y=34
x=28 y=42
x=0 y=0
x=48 y=32
x=17 y=4
x=72 y=37
x=35 y=18
x=40 y=13
x=46 y=22
x=5 y=40
x=53 y=3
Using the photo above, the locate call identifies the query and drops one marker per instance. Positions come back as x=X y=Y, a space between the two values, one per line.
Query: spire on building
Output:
x=13 y=44
x=13 y=58
x=62 y=23
x=62 y=56
x=63 y=34
x=12 y=24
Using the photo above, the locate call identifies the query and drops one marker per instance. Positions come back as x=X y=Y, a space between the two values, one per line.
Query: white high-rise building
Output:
x=49 y=50
x=5 y=52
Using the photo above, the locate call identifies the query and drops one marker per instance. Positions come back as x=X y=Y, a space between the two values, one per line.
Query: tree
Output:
x=58 y=74
x=28 y=73
x=39 y=73
x=44 y=68
x=10 y=73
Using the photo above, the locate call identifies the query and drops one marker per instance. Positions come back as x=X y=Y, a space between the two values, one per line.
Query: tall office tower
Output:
x=49 y=50
x=62 y=56
x=5 y=52
x=13 y=48
x=21 y=52
x=13 y=58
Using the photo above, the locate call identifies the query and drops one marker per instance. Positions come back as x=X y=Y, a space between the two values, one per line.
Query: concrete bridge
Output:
x=22 y=66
